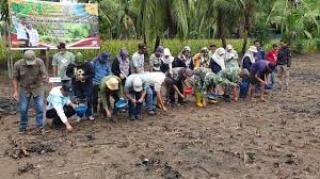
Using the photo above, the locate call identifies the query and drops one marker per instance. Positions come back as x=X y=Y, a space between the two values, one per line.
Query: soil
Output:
x=274 y=139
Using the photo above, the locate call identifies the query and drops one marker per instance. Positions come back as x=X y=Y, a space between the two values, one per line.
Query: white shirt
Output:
x=56 y=101
x=33 y=37
x=154 y=79
x=137 y=62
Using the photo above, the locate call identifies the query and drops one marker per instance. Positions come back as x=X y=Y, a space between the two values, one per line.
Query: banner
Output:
x=41 y=24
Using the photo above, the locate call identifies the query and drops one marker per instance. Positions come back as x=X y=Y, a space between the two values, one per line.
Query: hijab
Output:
x=219 y=56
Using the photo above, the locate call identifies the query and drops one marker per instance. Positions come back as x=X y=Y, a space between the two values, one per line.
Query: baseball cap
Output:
x=137 y=84
x=30 y=57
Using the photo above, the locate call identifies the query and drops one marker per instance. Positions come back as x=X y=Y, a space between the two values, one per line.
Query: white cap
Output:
x=137 y=84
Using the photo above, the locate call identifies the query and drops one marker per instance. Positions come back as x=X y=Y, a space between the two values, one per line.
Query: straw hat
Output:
x=112 y=84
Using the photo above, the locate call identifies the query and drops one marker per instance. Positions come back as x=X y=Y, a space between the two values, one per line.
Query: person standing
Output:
x=260 y=52
x=284 y=64
x=29 y=74
x=33 y=36
x=121 y=65
x=137 y=60
x=102 y=68
x=272 y=57
x=155 y=59
x=82 y=74
x=60 y=62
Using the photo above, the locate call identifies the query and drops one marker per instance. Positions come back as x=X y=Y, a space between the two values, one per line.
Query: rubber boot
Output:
x=198 y=100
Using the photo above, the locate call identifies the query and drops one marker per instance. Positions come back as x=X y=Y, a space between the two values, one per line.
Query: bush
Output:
x=175 y=45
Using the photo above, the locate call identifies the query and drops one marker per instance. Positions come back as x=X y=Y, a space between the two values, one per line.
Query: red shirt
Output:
x=272 y=56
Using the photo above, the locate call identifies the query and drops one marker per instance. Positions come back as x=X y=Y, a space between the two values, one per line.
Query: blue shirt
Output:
x=259 y=68
x=261 y=54
x=101 y=70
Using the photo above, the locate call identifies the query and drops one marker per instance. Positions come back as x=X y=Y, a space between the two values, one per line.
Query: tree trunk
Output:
x=221 y=28
x=156 y=45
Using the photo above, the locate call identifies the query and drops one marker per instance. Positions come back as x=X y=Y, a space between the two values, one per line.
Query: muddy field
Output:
x=275 y=139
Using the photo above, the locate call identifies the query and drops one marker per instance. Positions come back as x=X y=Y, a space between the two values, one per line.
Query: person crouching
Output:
x=110 y=86
x=60 y=107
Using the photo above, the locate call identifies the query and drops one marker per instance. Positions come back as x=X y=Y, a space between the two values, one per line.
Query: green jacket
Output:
x=105 y=92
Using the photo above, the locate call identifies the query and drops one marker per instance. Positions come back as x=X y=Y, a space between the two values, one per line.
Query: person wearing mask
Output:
x=121 y=65
x=201 y=59
x=102 y=68
x=60 y=107
x=33 y=36
x=137 y=60
x=155 y=59
x=184 y=59
x=174 y=83
x=135 y=91
x=260 y=52
x=258 y=76
x=111 y=86
x=60 y=62
x=166 y=61
x=82 y=74
x=283 y=65
x=29 y=74
x=272 y=57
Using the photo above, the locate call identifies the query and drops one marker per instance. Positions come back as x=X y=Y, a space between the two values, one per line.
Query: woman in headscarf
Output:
x=155 y=59
x=167 y=59
x=199 y=86
x=232 y=70
x=247 y=60
x=121 y=65
x=184 y=59
x=201 y=59
x=217 y=64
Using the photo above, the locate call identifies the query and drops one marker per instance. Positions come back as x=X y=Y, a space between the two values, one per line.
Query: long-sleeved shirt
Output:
x=56 y=100
x=272 y=56
x=101 y=70
x=86 y=70
x=105 y=92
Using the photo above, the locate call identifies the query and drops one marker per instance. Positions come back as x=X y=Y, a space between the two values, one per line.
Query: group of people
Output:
x=102 y=82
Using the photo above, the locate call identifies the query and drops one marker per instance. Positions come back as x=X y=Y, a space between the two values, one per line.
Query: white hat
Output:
x=229 y=47
x=187 y=48
x=253 y=49
x=137 y=84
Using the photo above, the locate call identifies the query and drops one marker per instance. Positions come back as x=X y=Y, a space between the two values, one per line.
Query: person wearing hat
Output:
x=258 y=76
x=166 y=61
x=248 y=59
x=137 y=60
x=110 y=87
x=102 y=68
x=60 y=62
x=201 y=59
x=135 y=91
x=60 y=107
x=184 y=59
x=155 y=59
x=82 y=74
x=121 y=65
x=175 y=82
x=29 y=74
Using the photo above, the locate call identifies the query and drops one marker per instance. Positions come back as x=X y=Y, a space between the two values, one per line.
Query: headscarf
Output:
x=167 y=58
x=185 y=59
x=250 y=53
x=124 y=61
x=219 y=56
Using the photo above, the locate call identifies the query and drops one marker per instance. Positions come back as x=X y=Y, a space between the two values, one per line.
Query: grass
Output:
x=175 y=45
